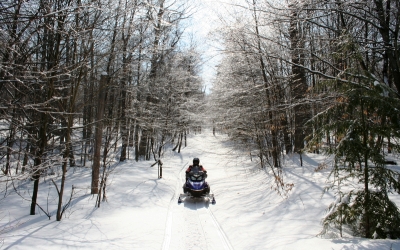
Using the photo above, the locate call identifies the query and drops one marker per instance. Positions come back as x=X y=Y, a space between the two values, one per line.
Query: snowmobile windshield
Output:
x=196 y=177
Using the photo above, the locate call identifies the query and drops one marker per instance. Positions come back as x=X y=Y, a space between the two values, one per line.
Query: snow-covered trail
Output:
x=249 y=214
x=142 y=211
x=192 y=224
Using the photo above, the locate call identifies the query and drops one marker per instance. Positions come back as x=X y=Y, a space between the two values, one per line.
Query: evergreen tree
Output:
x=366 y=112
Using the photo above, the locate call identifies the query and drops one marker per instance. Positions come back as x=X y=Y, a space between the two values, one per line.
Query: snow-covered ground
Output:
x=142 y=212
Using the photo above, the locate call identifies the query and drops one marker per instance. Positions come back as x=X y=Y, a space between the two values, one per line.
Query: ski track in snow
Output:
x=225 y=240
x=168 y=228
x=199 y=227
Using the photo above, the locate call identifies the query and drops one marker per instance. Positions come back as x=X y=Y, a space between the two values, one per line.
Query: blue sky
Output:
x=204 y=20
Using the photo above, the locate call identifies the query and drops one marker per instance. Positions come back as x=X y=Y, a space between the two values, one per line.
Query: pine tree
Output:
x=365 y=111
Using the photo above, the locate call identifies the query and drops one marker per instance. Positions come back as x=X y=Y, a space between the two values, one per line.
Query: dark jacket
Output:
x=191 y=166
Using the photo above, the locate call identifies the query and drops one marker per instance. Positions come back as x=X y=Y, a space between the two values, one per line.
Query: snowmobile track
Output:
x=168 y=227
x=224 y=238
x=197 y=223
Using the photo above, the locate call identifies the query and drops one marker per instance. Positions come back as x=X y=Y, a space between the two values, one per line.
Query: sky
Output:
x=205 y=19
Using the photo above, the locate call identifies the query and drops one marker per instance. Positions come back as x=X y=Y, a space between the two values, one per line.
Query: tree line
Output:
x=82 y=82
x=318 y=76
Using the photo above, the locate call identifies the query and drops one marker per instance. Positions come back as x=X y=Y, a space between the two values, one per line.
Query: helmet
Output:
x=196 y=161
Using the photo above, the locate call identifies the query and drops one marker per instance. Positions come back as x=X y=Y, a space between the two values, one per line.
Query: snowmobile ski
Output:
x=206 y=197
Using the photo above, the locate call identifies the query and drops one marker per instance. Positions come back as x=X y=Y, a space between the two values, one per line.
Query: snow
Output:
x=142 y=212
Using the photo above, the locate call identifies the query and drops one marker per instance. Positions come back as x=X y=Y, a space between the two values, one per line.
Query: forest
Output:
x=93 y=83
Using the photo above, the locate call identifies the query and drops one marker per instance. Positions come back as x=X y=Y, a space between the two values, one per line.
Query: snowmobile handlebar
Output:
x=197 y=174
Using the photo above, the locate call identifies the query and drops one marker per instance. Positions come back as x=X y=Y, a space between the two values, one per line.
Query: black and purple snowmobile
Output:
x=196 y=186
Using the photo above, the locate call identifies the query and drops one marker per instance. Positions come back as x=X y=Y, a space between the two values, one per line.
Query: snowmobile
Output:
x=196 y=186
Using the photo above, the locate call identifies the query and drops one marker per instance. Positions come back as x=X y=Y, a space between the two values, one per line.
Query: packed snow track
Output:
x=192 y=224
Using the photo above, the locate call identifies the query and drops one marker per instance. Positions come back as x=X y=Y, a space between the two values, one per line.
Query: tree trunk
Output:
x=298 y=82
x=10 y=144
x=38 y=161
x=392 y=53
x=272 y=127
x=180 y=142
x=137 y=145
x=98 y=135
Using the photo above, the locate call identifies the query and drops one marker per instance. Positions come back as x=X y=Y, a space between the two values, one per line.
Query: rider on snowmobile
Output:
x=195 y=185
x=196 y=163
